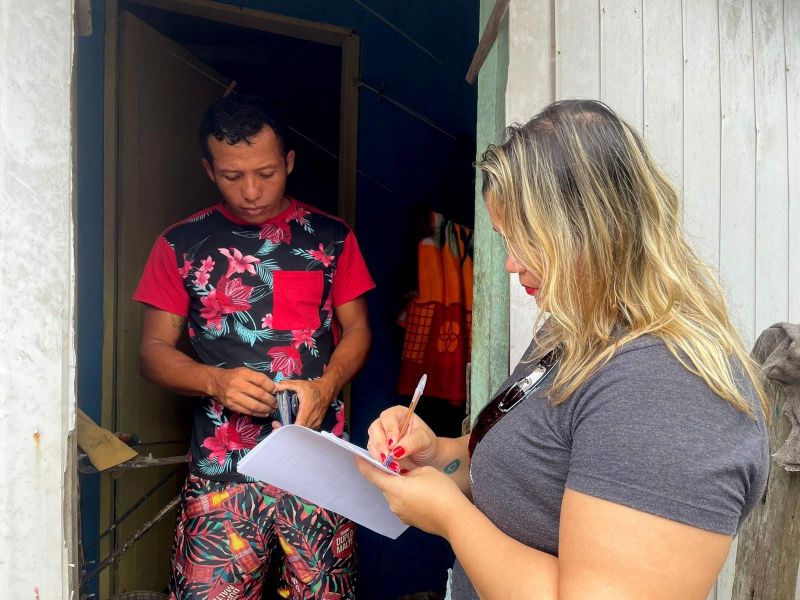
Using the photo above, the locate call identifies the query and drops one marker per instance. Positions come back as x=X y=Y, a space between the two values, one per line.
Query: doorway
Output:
x=166 y=61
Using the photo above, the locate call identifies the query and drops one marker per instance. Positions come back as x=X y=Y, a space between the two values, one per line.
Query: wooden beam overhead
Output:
x=255 y=19
x=487 y=39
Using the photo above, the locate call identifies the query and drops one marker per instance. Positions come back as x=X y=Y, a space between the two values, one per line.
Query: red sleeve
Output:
x=352 y=277
x=161 y=285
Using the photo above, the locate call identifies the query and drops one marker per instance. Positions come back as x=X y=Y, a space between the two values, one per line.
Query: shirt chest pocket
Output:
x=297 y=297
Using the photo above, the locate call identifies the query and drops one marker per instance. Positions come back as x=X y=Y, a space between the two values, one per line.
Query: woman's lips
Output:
x=531 y=290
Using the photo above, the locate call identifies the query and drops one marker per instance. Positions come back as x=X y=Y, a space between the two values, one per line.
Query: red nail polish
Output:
x=403 y=471
x=399 y=451
x=394 y=466
x=390 y=442
x=383 y=457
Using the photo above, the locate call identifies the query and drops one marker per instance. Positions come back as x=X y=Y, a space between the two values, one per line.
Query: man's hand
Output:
x=315 y=397
x=244 y=391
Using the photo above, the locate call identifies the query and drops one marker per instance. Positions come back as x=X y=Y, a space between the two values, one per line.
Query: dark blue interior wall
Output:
x=89 y=249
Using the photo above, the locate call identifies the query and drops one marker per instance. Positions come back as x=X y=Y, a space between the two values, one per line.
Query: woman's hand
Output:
x=415 y=449
x=426 y=498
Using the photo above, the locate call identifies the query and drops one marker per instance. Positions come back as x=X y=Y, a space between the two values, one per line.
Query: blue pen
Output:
x=406 y=422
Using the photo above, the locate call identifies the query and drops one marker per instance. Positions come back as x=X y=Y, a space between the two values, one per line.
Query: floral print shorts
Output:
x=230 y=534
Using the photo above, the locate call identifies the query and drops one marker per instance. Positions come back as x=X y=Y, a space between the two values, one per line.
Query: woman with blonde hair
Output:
x=628 y=446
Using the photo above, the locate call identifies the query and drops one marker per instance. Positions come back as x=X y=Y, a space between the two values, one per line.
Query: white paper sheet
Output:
x=320 y=468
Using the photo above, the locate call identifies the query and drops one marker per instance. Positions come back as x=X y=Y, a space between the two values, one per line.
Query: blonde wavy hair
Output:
x=581 y=202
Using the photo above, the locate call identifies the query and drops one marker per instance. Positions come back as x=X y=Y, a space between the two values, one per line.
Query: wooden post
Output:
x=490 y=315
x=768 y=551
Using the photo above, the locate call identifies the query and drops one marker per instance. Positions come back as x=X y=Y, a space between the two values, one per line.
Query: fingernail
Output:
x=394 y=466
x=399 y=451
x=390 y=442
x=383 y=456
x=403 y=471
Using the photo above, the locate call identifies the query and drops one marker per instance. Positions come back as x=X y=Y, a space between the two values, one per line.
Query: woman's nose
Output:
x=511 y=264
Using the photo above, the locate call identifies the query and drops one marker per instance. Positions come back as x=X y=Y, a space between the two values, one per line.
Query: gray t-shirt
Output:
x=643 y=432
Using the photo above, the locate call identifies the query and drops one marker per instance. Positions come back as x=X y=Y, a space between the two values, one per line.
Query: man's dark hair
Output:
x=237 y=118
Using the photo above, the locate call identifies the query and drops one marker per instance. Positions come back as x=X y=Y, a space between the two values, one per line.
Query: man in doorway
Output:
x=271 y=293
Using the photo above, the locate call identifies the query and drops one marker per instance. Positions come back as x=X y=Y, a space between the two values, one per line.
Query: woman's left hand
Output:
x=425 y=498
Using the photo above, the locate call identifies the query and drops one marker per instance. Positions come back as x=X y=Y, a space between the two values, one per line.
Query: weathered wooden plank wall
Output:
x=714 y=85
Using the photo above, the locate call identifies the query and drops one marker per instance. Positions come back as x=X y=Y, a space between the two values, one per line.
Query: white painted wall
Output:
x=37 y=356
x=714 y=85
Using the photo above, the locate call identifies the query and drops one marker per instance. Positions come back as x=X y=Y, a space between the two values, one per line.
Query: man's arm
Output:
x=242 y=390
x=347 y=359
x=351 y=352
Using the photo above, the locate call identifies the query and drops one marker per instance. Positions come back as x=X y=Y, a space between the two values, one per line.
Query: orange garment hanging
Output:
x=438 y=321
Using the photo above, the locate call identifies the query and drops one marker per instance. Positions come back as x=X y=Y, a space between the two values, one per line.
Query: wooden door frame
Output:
x=346 y=39
x=323 y=33
x=491 y=308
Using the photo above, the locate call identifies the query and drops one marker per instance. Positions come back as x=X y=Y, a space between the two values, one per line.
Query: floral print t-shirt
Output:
x=256 y=296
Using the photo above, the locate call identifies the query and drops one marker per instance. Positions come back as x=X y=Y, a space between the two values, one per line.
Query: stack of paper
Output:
x=320 y=468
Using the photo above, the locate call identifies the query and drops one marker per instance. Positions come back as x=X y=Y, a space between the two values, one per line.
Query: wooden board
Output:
x=110 y=126
x=348 y=129
x=663 y=85
x=772 y=234
x=701 y=128
x=490 y=325
x=531 y=68
x=164 y=92
x=791 y=38
x=738 y=164
x=737 y=193
x=531 y=81
x=621 y=59
x=577 y=49
x=768 y=552
x=255 y=19
x=487 y=39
